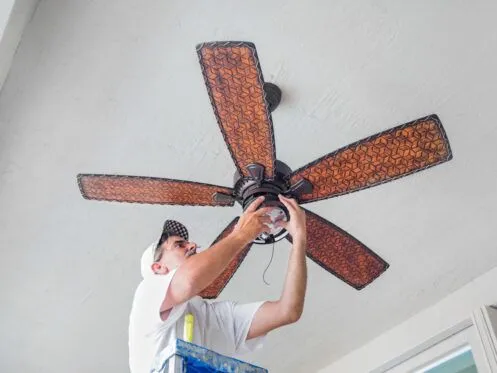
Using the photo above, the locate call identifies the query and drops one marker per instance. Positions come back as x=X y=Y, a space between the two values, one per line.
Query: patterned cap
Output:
x=174 y=228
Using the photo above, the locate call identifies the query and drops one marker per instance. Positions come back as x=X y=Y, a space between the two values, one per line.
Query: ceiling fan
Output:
x=242 y=103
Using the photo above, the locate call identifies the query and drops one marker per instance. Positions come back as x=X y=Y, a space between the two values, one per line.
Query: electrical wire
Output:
x=270 y=261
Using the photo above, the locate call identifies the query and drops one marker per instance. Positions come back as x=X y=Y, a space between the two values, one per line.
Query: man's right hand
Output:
x=253 y=221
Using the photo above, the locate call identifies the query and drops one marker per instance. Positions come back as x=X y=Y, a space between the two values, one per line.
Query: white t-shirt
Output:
x=219 y=326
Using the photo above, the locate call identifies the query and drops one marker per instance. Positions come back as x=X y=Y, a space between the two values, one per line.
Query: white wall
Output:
x=14 y=16
x=5 y=10
x=435 y=319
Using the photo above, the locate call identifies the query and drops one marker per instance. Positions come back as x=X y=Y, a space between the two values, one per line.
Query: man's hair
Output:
x=158 y=250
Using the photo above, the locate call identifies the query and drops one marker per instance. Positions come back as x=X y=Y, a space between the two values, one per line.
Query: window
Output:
x=460 y=361
x=468 y=347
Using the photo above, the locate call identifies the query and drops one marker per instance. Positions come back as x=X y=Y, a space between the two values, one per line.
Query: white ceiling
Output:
x=115 y=87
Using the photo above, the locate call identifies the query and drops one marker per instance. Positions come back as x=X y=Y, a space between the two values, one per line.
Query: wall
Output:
x=446 y=313
x=14 y=16
x=5 y=10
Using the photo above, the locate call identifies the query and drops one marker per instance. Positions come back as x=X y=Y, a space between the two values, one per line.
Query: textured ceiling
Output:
x=115 y=87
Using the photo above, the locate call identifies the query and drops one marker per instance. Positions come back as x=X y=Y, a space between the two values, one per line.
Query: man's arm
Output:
x=289 y=307
x=200 y=270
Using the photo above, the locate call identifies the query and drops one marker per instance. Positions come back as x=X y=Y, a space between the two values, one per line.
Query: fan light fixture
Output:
x=248 y=188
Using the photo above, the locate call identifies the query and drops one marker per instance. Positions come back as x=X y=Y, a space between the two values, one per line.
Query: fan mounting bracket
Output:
x=223 y=198
x=302 y=186
x=256 y=171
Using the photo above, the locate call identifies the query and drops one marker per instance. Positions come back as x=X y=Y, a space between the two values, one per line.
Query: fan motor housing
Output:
x=247 y=189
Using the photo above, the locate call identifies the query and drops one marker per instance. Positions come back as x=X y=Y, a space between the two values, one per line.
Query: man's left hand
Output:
x=296 y=225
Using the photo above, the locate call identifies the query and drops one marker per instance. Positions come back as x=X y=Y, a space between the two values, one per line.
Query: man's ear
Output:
x=159 y=269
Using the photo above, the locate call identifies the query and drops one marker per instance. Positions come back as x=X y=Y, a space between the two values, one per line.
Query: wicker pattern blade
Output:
x=384 y=157
x=341 y=254
x=138 y=189
x=214 y=289
x=235 y=85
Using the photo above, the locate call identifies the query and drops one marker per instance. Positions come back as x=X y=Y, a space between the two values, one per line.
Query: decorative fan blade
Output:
x=387 y=156
x=236 y=88
x=341 y=254
x=138 y=189
x=215 y=288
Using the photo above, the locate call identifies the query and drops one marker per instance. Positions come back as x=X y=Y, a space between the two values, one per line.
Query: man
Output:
x=174 y=276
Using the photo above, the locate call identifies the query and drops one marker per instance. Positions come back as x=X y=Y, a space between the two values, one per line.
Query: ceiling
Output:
x=115 y=87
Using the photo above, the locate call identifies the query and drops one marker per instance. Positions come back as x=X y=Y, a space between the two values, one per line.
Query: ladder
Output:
x=184 y=357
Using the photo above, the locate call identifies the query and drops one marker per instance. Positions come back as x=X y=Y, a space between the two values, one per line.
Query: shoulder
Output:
x=149 y=285
x=150 y=293
x=146 y=309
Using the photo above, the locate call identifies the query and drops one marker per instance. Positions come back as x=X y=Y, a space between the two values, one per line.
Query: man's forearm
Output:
x=292 y=298
x=203 y=268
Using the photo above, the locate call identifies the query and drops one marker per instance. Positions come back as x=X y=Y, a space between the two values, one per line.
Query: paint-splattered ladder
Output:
x=184 y=357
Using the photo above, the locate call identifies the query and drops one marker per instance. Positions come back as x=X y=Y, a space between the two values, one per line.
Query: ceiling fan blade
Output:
x=215 y=288
x=384 y=157
x=235 y=85
x=138 y=189
x=341 y=254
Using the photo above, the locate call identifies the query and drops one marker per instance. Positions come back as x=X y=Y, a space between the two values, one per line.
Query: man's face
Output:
x=175 y=251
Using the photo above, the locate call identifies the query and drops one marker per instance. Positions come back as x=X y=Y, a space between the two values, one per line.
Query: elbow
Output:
x=190 y=285
x=186 y=288
x=293 y=315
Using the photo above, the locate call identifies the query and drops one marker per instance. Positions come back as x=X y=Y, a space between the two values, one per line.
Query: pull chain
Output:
x=270 y=261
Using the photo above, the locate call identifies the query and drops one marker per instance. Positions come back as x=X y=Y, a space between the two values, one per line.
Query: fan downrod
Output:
x=273 y=96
